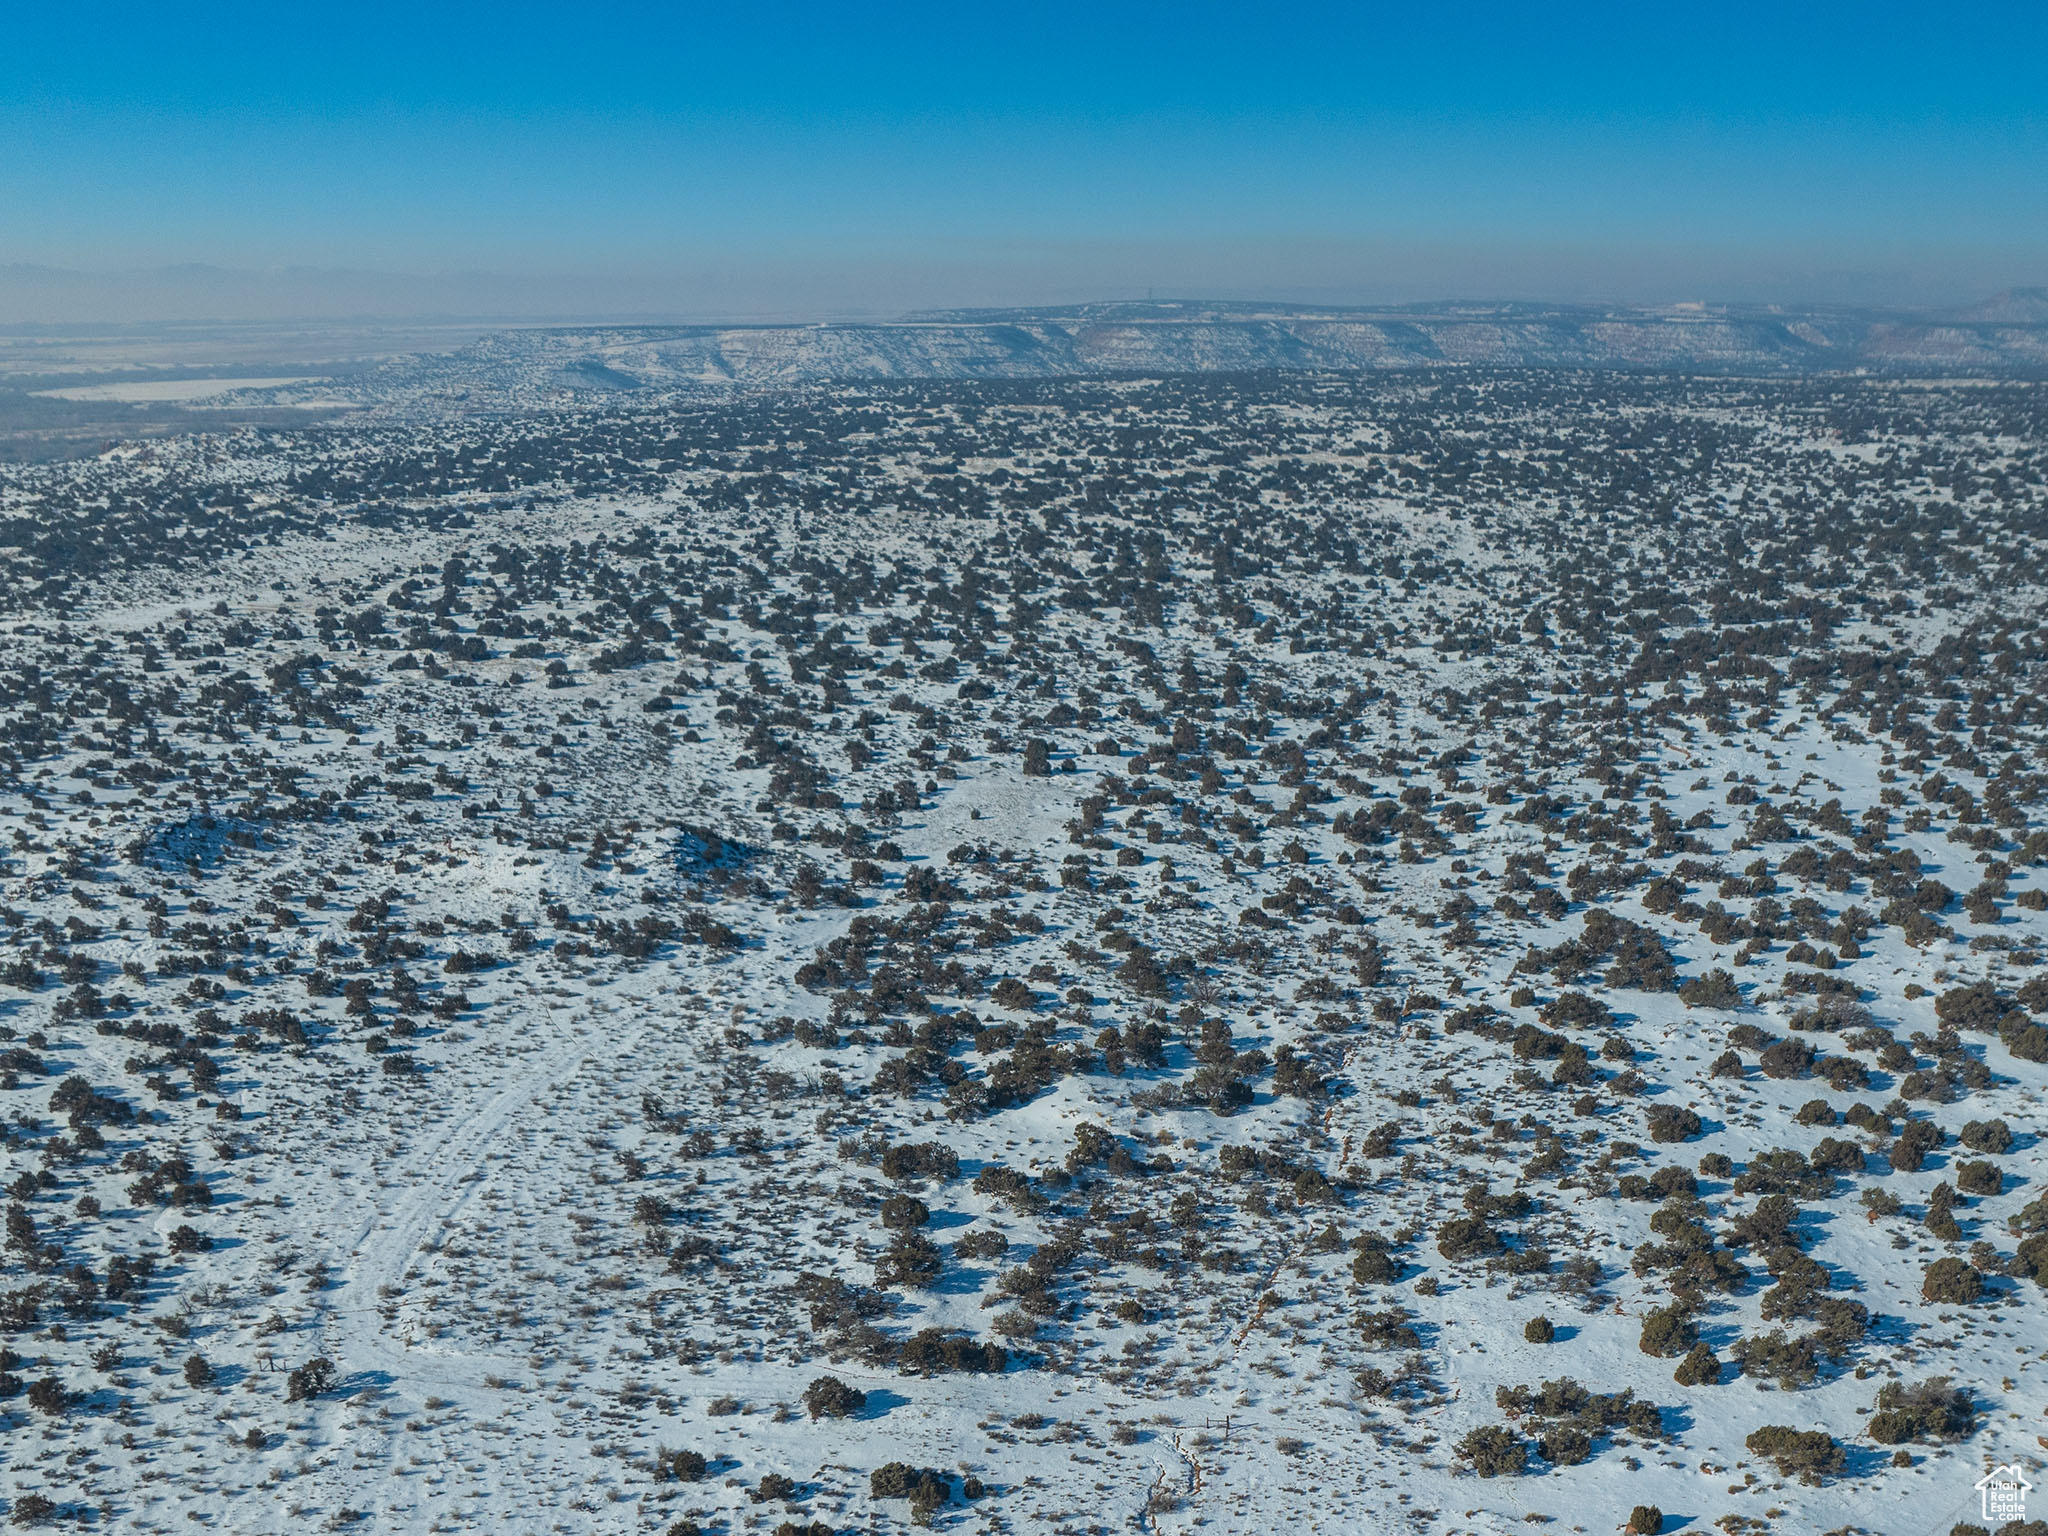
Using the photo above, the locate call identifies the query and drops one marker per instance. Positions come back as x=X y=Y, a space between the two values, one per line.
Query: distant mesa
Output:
x=2015 y=306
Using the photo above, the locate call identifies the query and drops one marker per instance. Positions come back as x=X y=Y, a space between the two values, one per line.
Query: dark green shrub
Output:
x=1701 y=1367
x=1787 y=1058
x=1565 y=1446
x=933 y=1352
x=1668 y=1122
x=902 y=1212
x=1575 y=1010
x=1981 y=1178
x=1808 y=1454
x=827 y=1397
x=1667 y=1331
x=1842 y=1325
x=1976 y=1007
x=1715 y=989
x=900 y=1480
x=911 y=1259
x=1837 y=1156
x=775 y=1488
x=309 y=1380
x=2027 y=1041
x=1801 y=1284
x=681 y=1466
x=1767 y=1225
x=892 y=1480
x=1495 y=1451
x=1644 y=1520
x=1793 y=1362
x=1864 y=1118
x=1783 y=1170
x=2032 y=1217
x=1373 y=1262
x=2030 y=1260
x=981 y=1243
x=1927 y=1410
x=1673 y=1180
x=1915 y=1141
x=1993 y=1136
x=1392 y=1329
x=1951 y=1283
x=1467 y=1237
x=1539 y=1330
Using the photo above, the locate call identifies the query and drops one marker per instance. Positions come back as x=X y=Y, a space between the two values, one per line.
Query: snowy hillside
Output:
x=1457 y=951
x=539 y=365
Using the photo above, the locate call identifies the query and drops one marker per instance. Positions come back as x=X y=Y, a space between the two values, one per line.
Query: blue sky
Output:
x=839 y=158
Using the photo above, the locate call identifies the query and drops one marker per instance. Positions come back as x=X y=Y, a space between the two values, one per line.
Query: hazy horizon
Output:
x=202 y=293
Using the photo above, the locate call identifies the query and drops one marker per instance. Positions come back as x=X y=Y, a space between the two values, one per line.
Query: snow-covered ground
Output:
x=1202 y=895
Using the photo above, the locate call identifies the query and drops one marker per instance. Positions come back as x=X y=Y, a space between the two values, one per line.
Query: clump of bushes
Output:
x=1794 y=1362
x=1467 y=1237
x=1494 y=1450
x=827 y=1397
x=1836 y=1155
x=1571 y=1419
x=682 y=1466
x=2030 y=1260
x=1980 y=1178
x=1787 y=1058
x=1667 y=1331
x=1808 y=1454
x=1915 y=1140
x=1926 y=1410
x=1951 y=1283
x=1976 y=1007
x=310 y=1380
x=1701 y=1367
x=1668 y=1122
x=932 y=1352
x=1373 y=1261
x=1784 y=1171
x=1566 y=1445
x=1392 y=1329
x=927 y=1490
x=1993 y=1136
x=1715 y=989
x=1539 y=1330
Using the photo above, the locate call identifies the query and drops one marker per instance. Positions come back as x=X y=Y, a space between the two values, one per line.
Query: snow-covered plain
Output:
x=588 y=922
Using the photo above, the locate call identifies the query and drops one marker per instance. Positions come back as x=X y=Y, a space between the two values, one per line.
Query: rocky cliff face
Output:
x=2004 y=336
x=1162 y=341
